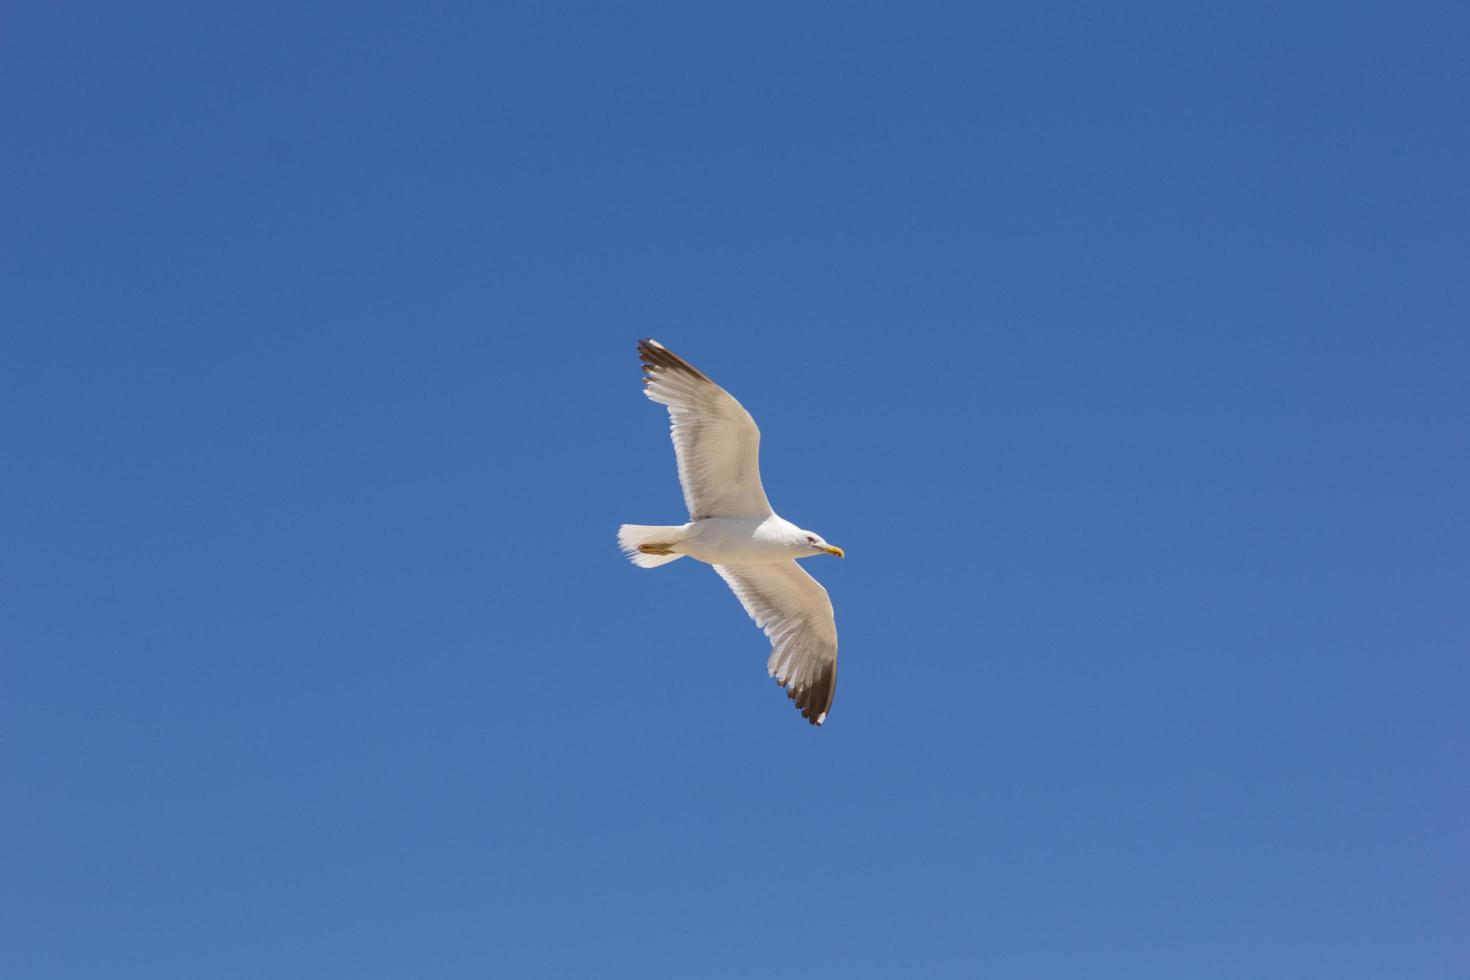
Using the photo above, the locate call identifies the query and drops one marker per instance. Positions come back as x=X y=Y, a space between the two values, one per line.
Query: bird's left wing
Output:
x=794 y=610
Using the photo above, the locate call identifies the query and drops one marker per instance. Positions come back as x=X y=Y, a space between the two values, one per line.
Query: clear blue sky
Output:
x=1124 y=348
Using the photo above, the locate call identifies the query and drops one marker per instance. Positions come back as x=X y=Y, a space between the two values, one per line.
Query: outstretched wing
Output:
x=793 y=609
x=715 y=439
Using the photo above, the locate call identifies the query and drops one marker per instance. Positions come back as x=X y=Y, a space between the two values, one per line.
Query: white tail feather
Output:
x=630 y=536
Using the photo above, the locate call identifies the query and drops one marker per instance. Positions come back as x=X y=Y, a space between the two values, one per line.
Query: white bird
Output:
x=732 y=527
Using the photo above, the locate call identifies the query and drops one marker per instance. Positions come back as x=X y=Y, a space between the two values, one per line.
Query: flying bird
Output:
x=732 y=527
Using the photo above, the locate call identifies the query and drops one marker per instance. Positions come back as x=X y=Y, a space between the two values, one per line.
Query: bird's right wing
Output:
x=793 y=609
x=716 y=441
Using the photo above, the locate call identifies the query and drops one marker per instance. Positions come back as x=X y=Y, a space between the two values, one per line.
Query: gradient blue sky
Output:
x=1123 y=347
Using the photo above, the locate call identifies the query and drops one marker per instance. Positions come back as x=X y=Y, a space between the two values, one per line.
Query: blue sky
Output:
x=1123 y=347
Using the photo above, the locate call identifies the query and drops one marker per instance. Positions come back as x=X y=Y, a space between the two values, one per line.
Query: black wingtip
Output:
x=814 y=700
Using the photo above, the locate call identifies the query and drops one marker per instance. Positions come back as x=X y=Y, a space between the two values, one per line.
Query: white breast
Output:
x=739 y=540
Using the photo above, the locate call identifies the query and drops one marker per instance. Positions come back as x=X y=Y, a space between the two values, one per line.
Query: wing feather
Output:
x=716 y=442
x=796 y=614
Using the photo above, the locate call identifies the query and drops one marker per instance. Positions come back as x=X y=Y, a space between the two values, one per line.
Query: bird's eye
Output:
x=810 y=539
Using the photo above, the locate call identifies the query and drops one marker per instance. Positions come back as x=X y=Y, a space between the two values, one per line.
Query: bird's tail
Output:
x=643 y=544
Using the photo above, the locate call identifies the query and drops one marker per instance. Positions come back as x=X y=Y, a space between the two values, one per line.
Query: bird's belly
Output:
x=732 y=541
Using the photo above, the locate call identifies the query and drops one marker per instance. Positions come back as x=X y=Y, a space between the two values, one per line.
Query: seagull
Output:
x=732 y=527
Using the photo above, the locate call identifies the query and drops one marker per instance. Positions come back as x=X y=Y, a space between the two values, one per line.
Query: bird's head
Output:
x=814 y=544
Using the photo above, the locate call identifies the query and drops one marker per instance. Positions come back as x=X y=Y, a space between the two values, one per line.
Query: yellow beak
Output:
x=829 y=549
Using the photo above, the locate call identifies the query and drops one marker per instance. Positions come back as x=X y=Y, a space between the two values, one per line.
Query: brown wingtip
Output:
x=657 y=357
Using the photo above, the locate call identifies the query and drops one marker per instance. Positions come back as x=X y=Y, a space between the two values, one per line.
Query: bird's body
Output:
x=732 y=527
x=734 y=540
